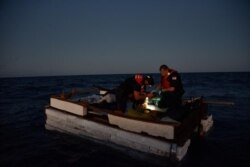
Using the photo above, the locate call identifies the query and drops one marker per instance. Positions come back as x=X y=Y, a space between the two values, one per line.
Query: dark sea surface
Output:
x=24 y=141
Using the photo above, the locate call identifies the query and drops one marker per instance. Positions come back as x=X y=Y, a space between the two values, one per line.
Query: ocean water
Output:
x=24 y=141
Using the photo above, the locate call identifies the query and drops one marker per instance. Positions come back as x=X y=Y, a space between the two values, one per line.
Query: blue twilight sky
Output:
x=74 y=37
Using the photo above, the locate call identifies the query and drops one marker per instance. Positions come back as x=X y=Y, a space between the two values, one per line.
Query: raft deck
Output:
x=151 y=136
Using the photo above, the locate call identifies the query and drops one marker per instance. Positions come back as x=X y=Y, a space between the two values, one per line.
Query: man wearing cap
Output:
x=134 y=89
x=171 y=87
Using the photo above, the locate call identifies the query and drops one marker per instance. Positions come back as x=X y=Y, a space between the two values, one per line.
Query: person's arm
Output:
x=157 y=86
x=142 y=96
x=139 y=95
x=171 y=89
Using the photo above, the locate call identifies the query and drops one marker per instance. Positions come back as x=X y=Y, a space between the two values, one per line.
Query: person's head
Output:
x=148 y=80
x=164 y=70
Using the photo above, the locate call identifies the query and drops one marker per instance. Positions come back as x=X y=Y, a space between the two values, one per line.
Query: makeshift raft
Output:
x=163 y=137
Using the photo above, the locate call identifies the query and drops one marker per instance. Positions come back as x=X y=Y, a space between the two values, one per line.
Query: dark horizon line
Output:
x=67 y=75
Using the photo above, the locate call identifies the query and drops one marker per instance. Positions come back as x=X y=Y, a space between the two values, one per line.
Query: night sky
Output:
x=78 y=37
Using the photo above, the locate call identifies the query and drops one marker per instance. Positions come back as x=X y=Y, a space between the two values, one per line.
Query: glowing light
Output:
x=153 y=107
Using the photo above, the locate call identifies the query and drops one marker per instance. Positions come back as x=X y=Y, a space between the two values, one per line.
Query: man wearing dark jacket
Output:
x=171 y=87
x=134 y=89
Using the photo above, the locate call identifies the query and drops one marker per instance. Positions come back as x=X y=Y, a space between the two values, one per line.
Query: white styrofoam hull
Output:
x=68 y=106
x=151 y=128
x=68 y=123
